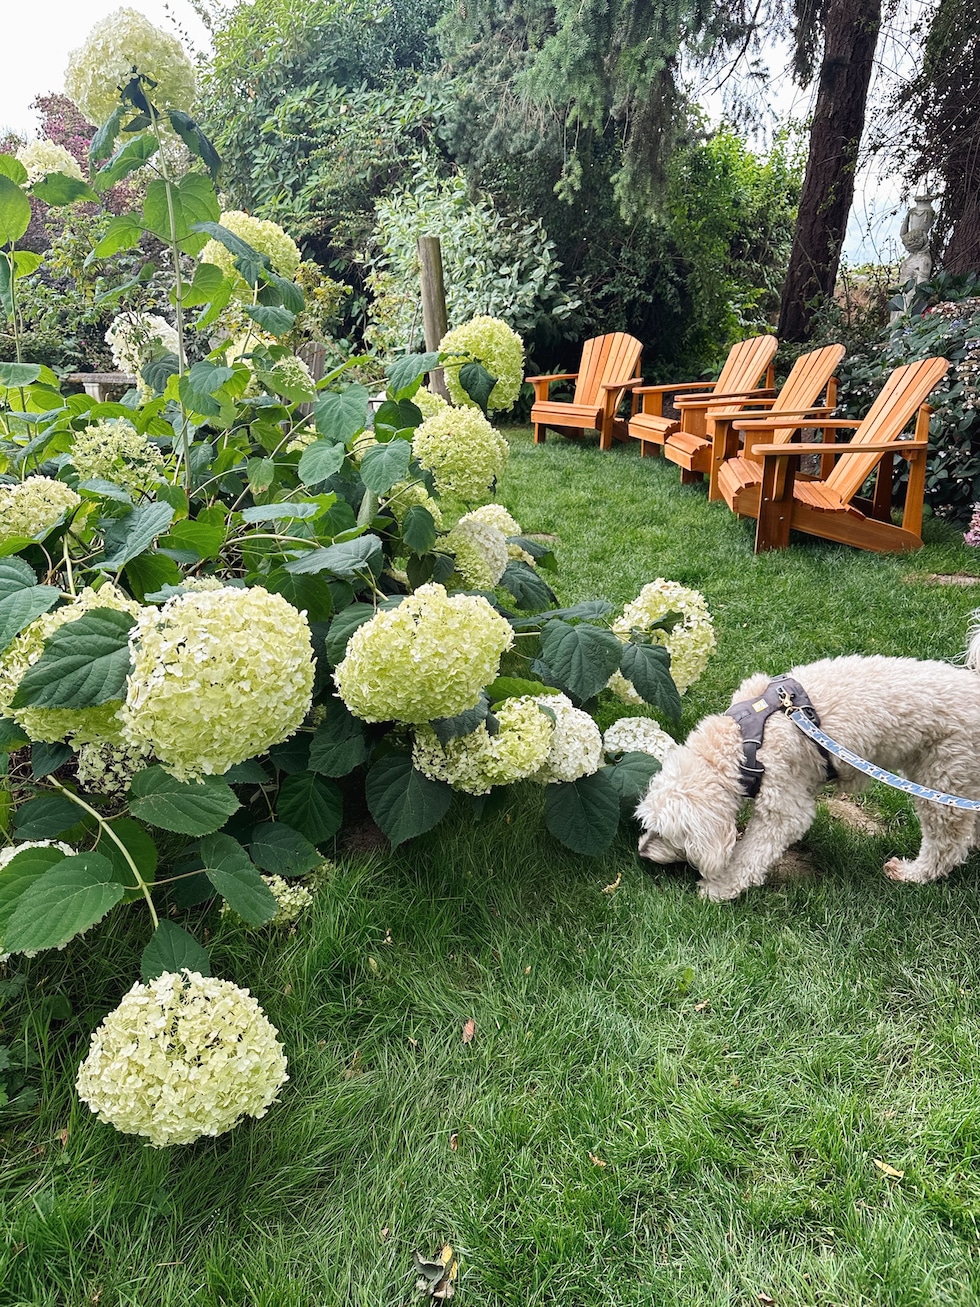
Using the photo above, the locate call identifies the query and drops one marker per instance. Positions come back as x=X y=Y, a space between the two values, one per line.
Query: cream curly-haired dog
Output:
x=919 y=719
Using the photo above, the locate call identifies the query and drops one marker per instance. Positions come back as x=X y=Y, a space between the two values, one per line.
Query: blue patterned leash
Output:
x=799 y=718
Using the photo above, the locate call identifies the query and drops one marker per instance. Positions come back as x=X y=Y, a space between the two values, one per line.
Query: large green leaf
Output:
x=397 y=415
x=632 y=774
x=584 y=814
x=282 y=851
x=208 y=281
x=464 y=723
x=122 y=233
x=134 y=153
x=84 y=663
x=340 y=743
x=132 y=534
x=582 y=657
x=527 y=586
x=348 y=560
x=192 y=202
x=191 y=133
x=477 y=382
x=45 y=817
x=272 y=318
x=405 y=374
x=142 y=849
x=16 y=375
x=199 y=386
x=188 y=807
x=343 y=627
x=22 y=870
x=102 y=142
x=248 y=261
x=68 y=898
x=311 y=805
x=236 y=878
x=173 y=949
x=384 y=465
x=419 y=529
x=402 y=801
x=647 y=667
x=20 y=608
x=340 y=414
x=320 y=460
x=15 y=212
x=58 y=189
x=11 y=166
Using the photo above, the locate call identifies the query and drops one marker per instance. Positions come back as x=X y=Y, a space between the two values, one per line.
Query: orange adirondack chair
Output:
x=605 y=375
x=747 y=363
x=810 y=376
x=830 y=506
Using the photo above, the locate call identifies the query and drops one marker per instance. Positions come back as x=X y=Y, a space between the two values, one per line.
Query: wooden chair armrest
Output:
x=631 y=384
x=673 y=386
x=555 y=376
x=825 y=447
x=805 y=424
x=704 y=401
x=772 y=418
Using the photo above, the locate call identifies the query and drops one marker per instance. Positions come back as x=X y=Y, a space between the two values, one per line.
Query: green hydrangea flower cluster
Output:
x=107 y=768
x=462 y=451
x=496 y=515
x=76 y=725
x=218 y=676
x=405 y=494
x=32 y=507
x=428 y=402
x=183 y=1057
x=501 y=351
x=690 y=644
x=430 y=657
x=44 y=156
x=113 y=450
x=291 y=899
x=480 y=550
x=576 y=745
x=638 y=735
x=265 y=237
x=123 y=41
x=475 y=763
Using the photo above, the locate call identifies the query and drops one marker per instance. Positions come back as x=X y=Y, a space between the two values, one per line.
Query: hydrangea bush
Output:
x=243 y=602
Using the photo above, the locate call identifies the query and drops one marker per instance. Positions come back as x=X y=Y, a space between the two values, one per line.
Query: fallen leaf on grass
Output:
x=355 y=1067
x=469 y=1030
x=611 y=889
x=701 y=1007
x=890 y=1171
x=454 y=1141
x=597 y=1161
x=63 y=1136
x=437 y=1277
x=766 y=1300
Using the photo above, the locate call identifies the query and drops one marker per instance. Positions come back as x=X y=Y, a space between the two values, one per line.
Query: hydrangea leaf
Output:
x=12 y=736
x=148 y=573
x=339 y=415
x=188 y=807
x=477 y=382
x=15 y=212
x=11 y=166
x=282 y=851
x=199 y=387
x=464 y=723
x=173 y=949
x=582 y=657
x=584 y=814
x=311 y=805
x=321 y=460
x=339 y=744
x=349 y=560
x=282 y=512
x=591 y=610
x=22 y=606
x=84 y=663
x=402 y=801
x=141 y=848
x=15 y=375
x=22 y=870
x=541 y=553
x=272 y=318
x=632 y=774
x=236 y=878
x=129 y=536
x=68 y=898
x=57 y=189
x=45 y=817
x=193 y=203
x=406 y=373
x=343 y=627
x=308 y=594
x=189 y=131
x=647 y=667
x=397 y=415
x=208 y=281
x=47 y=758
x=528 y=588
x=277 y=290
x=419 y=529
x=384 y=465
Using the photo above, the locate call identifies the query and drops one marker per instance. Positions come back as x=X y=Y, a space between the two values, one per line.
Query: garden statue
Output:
x=917 y=264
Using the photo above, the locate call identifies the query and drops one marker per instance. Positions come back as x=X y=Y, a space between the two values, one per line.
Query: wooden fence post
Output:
x=434 y=318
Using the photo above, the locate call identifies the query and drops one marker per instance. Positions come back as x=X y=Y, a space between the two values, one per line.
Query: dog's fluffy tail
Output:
x=972 y=659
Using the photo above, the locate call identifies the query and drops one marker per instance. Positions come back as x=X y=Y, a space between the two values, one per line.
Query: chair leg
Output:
x=649 y=449
x=690 y=478
x=775 y=509
x=539 y=433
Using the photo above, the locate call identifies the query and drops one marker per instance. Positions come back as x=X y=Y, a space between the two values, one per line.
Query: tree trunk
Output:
x=850 y=35
x=962 y=252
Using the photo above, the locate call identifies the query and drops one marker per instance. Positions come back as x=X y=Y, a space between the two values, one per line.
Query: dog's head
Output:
x=689 y=812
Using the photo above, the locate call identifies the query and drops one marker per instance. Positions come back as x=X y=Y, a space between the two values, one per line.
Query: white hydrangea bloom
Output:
x=690 y=644
x=638 y=735
x=113 y=450
x=576 y=746
x=480 y=551
x=501 y=351
x=76 y=725
x=121 y=43
x=134 y=338
x=10 y=852
x=218 y=676
x=462 y=450
x=429 y=657
x=429 y=402
x=476 y=762
x=108 y=768
x=264 y=237
x=34 y=506
x=44 y=156
x=183 y=1057
x=405 y=494
x=496 y=515
x=291 y=898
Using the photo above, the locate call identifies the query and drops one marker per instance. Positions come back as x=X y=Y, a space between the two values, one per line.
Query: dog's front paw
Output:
x=717 y=893
x=909 y=872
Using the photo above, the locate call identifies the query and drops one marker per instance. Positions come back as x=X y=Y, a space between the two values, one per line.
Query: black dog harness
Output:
x=782 y=694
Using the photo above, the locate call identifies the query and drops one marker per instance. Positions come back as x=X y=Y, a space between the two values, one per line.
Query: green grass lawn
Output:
x=665 y=1102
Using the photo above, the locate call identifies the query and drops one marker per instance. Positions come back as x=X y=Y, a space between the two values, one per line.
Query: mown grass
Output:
x=665 y=1101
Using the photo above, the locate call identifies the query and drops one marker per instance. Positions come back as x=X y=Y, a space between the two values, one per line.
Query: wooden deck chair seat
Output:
x=831 y=506
x=748 y=363
x=810 y=377
x=609 y=368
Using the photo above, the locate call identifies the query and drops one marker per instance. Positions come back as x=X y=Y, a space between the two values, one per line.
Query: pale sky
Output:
x=40 y=34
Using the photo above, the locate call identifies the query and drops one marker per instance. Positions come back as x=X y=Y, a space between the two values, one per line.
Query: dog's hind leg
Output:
x=771 y=829
x=948 y=834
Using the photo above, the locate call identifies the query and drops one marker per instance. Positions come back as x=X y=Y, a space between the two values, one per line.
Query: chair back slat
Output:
x=605 y=358
x=806 y=382
x=746 y=364
x=900 y=397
